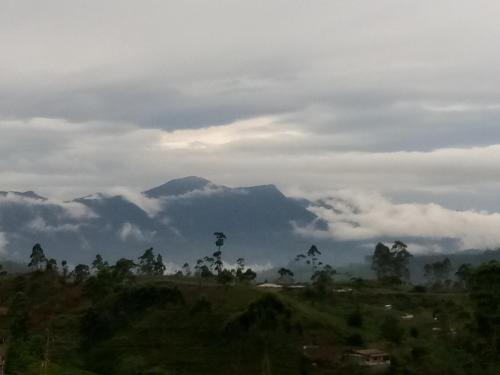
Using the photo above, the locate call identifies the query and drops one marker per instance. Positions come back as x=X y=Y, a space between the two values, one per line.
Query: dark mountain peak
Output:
x=265 y=189
x=26 y=194
x=178 y=186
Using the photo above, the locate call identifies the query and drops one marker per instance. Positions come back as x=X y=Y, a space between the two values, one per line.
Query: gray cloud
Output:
x=398 y=98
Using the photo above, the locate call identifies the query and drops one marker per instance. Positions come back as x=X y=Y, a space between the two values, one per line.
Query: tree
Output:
x=219 y=239
x=463 y=274
x=37 y=258
x=225 y=277
x=147 y=262
x=158 y=266
x=310 y=258
x=484 y=285
x=186 y=270
x=391 y=264
x=248 y=275
x=80 y=273
x=313 y=254
x=123 y=269
x=391 y=329
x=322 y=280
x=64 y=266
x=51 y=265
x=286 y=275
x=98 y=264
x=438 y=272
x=202 y=269
x=265 y=316
x=219 y=242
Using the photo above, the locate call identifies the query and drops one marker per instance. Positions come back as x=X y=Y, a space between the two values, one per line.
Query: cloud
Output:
x=70 y=210
x=324 y=96
x=130 y=231
x=151 y=206
x=368 y=216
x=40 y=225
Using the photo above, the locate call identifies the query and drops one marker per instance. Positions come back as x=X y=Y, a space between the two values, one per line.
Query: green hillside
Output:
x=186 y=325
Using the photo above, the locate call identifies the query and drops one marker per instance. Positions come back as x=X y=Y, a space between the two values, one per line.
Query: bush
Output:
x=419 y=289
x=355 y=319
x=355 y=340
x=392 y=330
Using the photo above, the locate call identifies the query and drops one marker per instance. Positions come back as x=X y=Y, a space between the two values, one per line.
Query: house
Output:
x=270 y=285
x=343 y=290
x=368 y=357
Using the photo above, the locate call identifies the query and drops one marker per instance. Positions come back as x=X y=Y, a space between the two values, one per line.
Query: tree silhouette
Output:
x=158 y=266
x=286 y=275
x=322 y=280
x=37 y=258
x=80 y=273
x=463 y=274
x=219 y=242
x=186 y=270
x=123 y=269
x=438 y=272
x=65 y=271
x=98 y=264
x=391 y=264
x=51 y=265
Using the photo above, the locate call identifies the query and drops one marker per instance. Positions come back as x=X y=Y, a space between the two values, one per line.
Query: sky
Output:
x=395 y=101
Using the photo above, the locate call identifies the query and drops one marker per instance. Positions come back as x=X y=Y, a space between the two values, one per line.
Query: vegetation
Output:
x=128 y=317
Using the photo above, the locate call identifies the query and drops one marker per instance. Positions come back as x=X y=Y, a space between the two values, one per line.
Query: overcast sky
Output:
x=398 y=98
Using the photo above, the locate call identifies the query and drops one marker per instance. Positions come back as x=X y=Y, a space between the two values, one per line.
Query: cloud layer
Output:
x=370 y=216
x=398 y=98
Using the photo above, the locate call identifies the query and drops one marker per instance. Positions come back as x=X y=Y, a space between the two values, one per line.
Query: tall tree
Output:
x=37 y=258
x=286 y=275
x=485 y=294
x=391 y=264
x=147 y=262
x=98 y=264
x=463 y=274
x=438 y=272
x=158 y=266
x=220 y=237
x=123 y=269
x=322 y=280
x=80 y=273
x=51 y=265
x=186 y=270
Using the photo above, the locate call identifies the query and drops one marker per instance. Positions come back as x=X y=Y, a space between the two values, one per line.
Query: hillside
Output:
x=185 y=325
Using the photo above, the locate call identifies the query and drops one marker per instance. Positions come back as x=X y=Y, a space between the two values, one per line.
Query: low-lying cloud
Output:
x=368 y=216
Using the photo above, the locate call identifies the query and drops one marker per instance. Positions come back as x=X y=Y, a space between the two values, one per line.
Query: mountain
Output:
x=177 y=218
x=179 y=186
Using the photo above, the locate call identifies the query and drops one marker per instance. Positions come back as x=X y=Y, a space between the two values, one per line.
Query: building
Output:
x=368 y=357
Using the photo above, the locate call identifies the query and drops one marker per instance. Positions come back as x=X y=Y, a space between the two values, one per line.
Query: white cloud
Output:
x=367 y=216
x=72 y=210
x=40 y=225
x=131 y=231
x=151 y=206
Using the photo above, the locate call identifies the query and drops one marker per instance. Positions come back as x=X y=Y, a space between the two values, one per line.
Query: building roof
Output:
x=370 y=352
